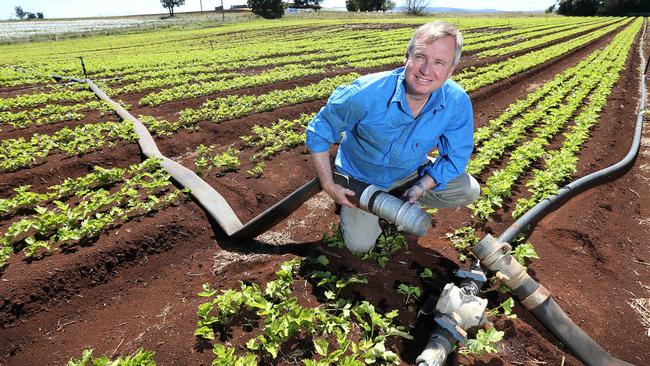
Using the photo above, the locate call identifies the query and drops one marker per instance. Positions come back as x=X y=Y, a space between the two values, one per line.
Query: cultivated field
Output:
x=100 y=250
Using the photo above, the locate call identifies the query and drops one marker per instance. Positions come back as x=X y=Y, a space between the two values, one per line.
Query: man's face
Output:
x=429 y=65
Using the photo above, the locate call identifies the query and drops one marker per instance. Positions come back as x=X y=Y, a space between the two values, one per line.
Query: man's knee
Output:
x=459 y=192
x=358 y=244
x=474 y=190
x=359 y=229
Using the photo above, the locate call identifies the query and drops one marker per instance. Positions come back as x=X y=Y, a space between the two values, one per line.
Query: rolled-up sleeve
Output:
x=340 y=113
x=455 y=147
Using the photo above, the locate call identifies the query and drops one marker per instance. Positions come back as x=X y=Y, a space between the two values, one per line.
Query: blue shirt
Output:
x=382 y=142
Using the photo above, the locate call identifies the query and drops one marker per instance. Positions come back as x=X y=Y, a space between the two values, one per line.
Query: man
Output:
x=391 y=121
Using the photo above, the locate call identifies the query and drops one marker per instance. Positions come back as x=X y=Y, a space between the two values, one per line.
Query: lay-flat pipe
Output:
x=213 y=202
x=495 y=254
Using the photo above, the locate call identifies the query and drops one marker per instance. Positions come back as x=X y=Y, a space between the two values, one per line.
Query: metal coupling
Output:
x=496 y=257
x=436 y=351
x=406 y=216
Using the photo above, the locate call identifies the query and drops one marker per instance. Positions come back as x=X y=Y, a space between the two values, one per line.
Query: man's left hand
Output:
x=414 y=193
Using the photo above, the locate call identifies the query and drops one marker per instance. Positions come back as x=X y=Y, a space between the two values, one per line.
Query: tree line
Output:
x=600 y=7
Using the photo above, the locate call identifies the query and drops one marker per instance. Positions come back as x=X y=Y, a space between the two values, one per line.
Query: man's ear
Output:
x=406 y=57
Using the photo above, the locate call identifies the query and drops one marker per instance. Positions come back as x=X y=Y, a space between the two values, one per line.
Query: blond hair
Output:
x=433 y=31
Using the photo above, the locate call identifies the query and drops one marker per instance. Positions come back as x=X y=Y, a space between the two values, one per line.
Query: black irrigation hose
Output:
x=495 y=253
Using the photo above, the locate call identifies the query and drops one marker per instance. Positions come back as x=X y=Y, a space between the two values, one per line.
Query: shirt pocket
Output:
x=376 y=134
x=422 y=146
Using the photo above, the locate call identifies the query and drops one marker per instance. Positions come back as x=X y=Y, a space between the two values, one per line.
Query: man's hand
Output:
x=339 y=193
x=336 y=191
x=414 y=193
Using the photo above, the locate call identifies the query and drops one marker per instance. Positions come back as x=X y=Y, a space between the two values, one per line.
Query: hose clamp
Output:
x=366 y=195
x=537 y=298
x=497 y=254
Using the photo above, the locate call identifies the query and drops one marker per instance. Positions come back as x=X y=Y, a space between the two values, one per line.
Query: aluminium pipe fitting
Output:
x=405 y=215
x=371 y=198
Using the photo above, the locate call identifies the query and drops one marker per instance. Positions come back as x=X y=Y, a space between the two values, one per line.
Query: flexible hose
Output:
x=216 y=206
x=495 y=254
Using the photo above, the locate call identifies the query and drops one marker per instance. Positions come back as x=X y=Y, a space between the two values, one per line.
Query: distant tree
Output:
x=416 y=7
x=352 y=5
x=20 y=13
x=268 y=9
x=31 y=15
x=39 y=15
x=388 y=5
x=366 y=5
x=170 y=4
x=307 y=4
x=623 y=7
x=550 y=9
x=578 y=7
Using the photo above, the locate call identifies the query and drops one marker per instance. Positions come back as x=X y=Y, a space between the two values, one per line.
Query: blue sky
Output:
x=87 y=8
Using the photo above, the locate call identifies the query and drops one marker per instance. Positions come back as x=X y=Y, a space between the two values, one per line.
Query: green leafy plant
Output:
x=225 y=356
x=523 y=252
x=428 y=274
x=207 y=159
x=388 y=243
x=283 y=318
x=463 y=239
x=485 y=342
x=505 y=309
x=138 y=358
x=334 y=238
x=334 y=284
x=410 y=293
x=257 y=170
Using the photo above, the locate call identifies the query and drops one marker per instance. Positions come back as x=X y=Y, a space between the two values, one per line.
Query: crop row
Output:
x=473 y=79
x=19 y=153
x=25 y=200
x=233 y=106
x=498 y=185
x=560 y=164
x=391 y=53
x=186 y=91
x=488 y=40
x=330 y=326
x=547 y=100
x=164 y=56
x=147 y=188
x=500 y=51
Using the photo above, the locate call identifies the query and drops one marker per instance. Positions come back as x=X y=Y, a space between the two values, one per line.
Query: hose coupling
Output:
x=496 y=257
x=371 y=198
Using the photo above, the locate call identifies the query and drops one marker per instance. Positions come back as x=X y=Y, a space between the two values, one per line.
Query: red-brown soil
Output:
x=136 y=285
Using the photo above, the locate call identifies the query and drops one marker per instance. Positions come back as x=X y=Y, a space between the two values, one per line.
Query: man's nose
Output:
x=426 y=68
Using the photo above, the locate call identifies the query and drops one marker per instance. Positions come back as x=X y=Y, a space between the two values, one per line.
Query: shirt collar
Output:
x=436 y=101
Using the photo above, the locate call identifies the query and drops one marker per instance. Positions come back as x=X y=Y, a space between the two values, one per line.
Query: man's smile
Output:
x=422 y=79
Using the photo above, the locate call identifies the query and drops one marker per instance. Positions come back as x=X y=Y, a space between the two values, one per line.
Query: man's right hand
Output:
x=336 y=191
x=339 y=194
